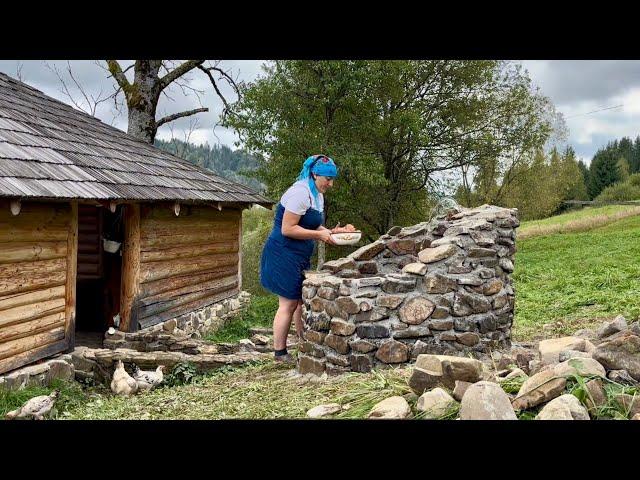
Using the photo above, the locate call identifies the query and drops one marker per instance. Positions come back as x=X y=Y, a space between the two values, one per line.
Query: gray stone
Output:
x=348 y=305
x=622 y=353
x=324 y=410
x=441 y=324
x=362 y=346
x=392 y=351
x=59 y=370
x=455 y=240
x=431 y=255
x=609 y=328
x=435 y=403
x=337 y=359
x=568 y=354
x=372 y=331
x=486 y=401
x=540 y=388
x=398 y=285
x=468 y=338
x=439 y=283
x=308 y=364
x=549 y=350
x=422 y=379
x=390 y=301
x=440 y=313
x=315 y=337
x=338 y=343
x=361 y=362
x=565 y=407
x=596 y=395
x=467 y=303
x=629 y=403
x=579 y=366
x=481 y=252
x=391 y=408
x=416 y=310
x=460 y=389
x=451 y=368
x=417 y=268
x=623 y=377
x=402 y=246
x=340 y=264
x=412 y=332
x=368 y=251
x=506 y=265
x=340 y=327
x=492 y=287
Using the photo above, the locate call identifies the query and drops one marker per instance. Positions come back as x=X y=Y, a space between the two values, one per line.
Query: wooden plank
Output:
x=151 y=243
x=89 y=269
x=217 y=283
x=158 y=270
x=240 y=254
x=187 y=298
x=33 y=327
x=186 y=308
x=176 y=282
x=72 y=269
x=165 y=211
x=36 y=223
x=12 y=252
x=22 y=345
x=88 y=238
x=32 y=311
x=188 y=251
x=33 y=234
x=190 y=229
x=130 y=285
x=89 y=258
x=22 y=359
x=28 y=298
x=27 y=276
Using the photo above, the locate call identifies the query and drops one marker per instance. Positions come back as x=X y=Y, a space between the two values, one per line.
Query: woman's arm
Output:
x=291 y=229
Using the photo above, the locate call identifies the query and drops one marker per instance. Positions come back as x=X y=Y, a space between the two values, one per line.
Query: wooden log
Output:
x=72 y=270
x=88 y=238
x=240 y=255
x=37 y=213
x=25 y=313
x=88 y=258
x=212 y=286
x=88 y=269
x=186 y=308
x=32 y=234
x=188 y=251
x=158 y=211
x=176 y=282
x=158 y=270
x=33 y=327
x=12 y=252
x=45 y=351
x=22 y=345
x=29 y=298
x=211 y=236
x=130 y=284
x=185 y=228
x=27 y=276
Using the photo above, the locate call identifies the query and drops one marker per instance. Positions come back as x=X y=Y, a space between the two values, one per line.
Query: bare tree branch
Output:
x=19 y=66
x=178 y=72
x=175 y=116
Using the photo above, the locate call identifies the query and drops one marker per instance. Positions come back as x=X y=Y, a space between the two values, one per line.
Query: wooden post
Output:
x=240 y=254
x=70 y=286
x=130 y=284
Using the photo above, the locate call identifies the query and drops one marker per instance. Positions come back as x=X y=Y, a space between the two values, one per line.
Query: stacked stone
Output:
x=59 y=367
x=206 y=320
x=439 y=287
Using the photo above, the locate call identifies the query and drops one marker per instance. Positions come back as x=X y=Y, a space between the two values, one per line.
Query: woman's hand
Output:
x=346 y=229
x=325 y=236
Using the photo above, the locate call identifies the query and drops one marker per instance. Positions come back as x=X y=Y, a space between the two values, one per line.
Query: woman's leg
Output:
x=297 y=318
x=282 y=322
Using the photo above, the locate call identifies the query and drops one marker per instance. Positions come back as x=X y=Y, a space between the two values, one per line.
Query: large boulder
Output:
x=324 y=410
x=621 y=353
x=422 y=380
x=486 y=401
x=565 y=407
x=540 y=388
x=392 y=407
x=435 y=403
x=549 y=350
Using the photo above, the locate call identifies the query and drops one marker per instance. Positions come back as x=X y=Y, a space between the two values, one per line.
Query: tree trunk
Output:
x=143 y=100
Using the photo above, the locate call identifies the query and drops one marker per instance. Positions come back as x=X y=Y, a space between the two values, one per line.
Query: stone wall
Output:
x=442 y=286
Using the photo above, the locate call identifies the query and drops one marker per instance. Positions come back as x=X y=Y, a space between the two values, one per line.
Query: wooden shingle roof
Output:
x=50 y=150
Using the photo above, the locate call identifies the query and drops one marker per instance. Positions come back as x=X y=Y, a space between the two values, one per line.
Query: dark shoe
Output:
x=285 y=359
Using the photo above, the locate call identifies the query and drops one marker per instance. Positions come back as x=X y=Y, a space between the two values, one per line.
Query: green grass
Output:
x=260 y=313
x=577 y=279
x=262 y=390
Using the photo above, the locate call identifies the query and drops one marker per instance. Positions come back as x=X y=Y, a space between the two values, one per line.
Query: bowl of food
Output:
x=346 y=238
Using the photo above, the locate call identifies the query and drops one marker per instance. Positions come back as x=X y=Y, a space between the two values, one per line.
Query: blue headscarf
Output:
x=320 y=165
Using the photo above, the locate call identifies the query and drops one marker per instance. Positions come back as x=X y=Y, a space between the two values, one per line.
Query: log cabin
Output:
x=99 y=229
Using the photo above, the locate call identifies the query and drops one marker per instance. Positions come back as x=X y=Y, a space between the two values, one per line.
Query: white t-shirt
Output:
x=298 y=198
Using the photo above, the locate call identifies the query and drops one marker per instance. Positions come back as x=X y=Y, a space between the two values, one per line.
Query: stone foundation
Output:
x=59 y=367
x=442 y=287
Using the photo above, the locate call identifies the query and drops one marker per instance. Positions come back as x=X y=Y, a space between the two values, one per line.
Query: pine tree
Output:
x=603 y=171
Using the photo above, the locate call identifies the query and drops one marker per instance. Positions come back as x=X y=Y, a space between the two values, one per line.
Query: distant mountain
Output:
x=220 y=159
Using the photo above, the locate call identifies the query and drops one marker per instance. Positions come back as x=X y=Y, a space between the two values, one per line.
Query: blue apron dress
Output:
x=284 y=259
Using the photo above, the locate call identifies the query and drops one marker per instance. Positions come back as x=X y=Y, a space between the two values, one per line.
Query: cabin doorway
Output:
x=100 y=238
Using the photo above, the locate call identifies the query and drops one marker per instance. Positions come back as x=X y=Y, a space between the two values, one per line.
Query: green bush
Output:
x=634 y=180
x=257 y=223
x=619 y=192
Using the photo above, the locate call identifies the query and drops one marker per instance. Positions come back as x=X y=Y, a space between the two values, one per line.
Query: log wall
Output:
x=36 y=317
x=186 y=262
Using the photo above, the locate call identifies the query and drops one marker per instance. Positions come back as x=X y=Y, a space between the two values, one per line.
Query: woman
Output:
x=287 y=252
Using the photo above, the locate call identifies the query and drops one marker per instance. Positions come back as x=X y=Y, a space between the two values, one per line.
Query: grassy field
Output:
x=574 y=280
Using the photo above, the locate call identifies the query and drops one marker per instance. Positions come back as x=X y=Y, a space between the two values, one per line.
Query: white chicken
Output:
x=35 y=408
x=148 y=379
x=122 y=383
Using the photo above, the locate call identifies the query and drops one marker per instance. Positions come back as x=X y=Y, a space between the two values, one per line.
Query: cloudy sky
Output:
x=577 y=88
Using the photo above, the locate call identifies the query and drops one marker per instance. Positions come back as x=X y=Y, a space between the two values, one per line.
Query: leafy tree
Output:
x=394 y=128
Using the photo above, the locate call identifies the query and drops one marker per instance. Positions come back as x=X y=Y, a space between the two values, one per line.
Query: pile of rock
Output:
x=43 y=373
x=439 y=287
x=470 y=389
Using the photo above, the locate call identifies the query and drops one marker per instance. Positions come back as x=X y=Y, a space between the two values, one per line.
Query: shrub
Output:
x=619 y=192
